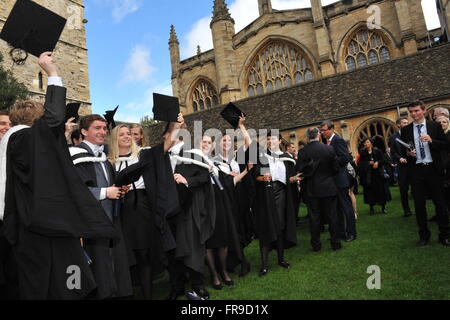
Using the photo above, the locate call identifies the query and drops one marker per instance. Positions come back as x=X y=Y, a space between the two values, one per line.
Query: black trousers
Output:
x=404 y=181
x=346 y=223
x=325 y=207
x=279 y=190
x=426 y=181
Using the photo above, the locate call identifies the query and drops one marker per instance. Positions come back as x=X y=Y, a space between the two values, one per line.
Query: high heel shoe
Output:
x=263 y=271
x=216 y=286
x=229 y=283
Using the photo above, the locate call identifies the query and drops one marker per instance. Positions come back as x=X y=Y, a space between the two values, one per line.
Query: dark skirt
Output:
x=140 y=230
x=376 y=189
x=138 y=222
x=220 y=237
x=279 y=190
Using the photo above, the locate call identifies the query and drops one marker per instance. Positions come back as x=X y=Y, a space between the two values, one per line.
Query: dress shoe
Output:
x=337 y=247
x=174 y=295
x=445 y=242
x=422 y=243
x=433 y=219
x=263 y=272
x=228 y=283
x=350 y=238
x=202 y=292
x=316 y=249
x=192 y=295
x=284 y=264
x=216 y=286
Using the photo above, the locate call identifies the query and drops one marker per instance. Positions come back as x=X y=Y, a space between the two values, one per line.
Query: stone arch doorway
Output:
x=377 y=129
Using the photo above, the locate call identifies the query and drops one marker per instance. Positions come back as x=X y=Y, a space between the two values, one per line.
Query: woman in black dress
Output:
x=372 y=177
x=142 y=237
x=225 y=232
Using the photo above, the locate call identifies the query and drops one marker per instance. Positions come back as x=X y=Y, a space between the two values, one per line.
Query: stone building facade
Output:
x=71 y=54
x=288 y=52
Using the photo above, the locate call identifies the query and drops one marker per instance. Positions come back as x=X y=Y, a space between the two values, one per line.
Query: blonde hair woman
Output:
x=444 y=121
x=142 y=237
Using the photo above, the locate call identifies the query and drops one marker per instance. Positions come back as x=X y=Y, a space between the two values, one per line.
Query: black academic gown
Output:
x=110 y=261
x=196 y=221
x=376 y=187
x=48 y=209
x=235 y=209
x=266 y=223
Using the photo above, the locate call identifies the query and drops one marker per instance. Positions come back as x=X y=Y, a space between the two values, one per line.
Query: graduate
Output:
x=109 y=258
x=194 y=225
x=142 y=236
x=274 y=207
x=44 y=205
x=225 y=234
x=239 y=193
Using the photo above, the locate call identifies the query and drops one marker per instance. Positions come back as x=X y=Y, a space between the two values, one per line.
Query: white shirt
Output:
x=125 y=162
x=277 y=169
x=96 y=149
x=54 y=81
x=175 y=151
x=233 y=164
x=418 y=143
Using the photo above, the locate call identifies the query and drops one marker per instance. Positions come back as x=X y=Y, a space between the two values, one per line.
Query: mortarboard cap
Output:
x=130 y=174
x=109 y=117
x=32 y=28
x=72 y=111
x=231 y=113
x=165 y=108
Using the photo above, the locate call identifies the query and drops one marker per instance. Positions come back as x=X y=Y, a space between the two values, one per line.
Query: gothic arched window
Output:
x=367 y=47
x=204 y=96
x=278 y=65
x=379 y=130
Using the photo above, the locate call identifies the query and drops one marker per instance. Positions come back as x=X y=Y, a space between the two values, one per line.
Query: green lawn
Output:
x=387 y=241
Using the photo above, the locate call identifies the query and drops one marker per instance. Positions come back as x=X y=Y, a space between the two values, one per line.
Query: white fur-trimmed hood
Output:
x=3 y=165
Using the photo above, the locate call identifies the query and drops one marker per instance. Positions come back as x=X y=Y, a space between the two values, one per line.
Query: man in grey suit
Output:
x=110 y=262
x=346 y=214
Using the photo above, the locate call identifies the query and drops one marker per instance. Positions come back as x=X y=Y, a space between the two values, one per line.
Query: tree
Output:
x=10 y=89
x=147 y=120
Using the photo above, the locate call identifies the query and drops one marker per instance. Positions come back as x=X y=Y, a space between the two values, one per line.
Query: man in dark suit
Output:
x=346 y=214
x=318 y=162
x=427 y=170
x=110 y=262
x=402 y=168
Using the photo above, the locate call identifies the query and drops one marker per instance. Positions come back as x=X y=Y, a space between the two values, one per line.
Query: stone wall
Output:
x=402 y=25
x=70 y=53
